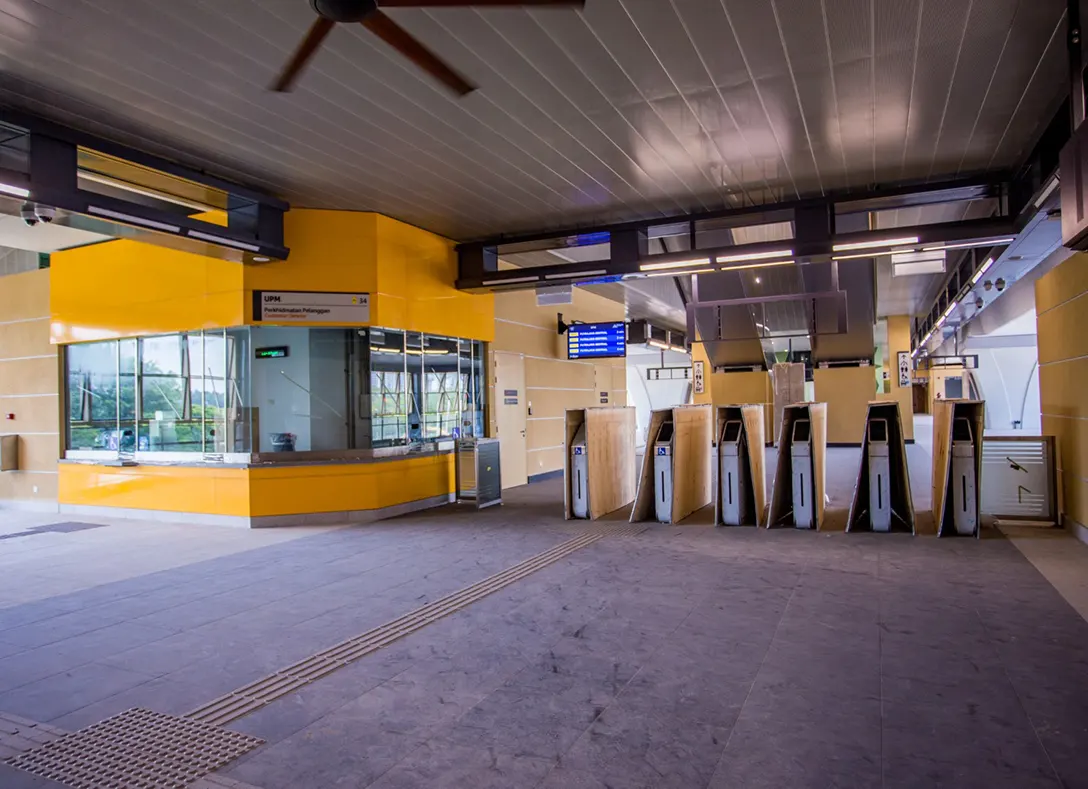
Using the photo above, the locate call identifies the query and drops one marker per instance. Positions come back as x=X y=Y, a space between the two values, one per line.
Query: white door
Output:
x=510 y=407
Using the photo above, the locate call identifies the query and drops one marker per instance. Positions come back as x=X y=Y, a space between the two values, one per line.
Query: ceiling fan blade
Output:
x=408 y=45
x=305 y=51
x=482 y=3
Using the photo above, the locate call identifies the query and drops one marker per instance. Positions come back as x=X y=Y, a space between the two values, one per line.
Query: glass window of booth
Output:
x=226 y=394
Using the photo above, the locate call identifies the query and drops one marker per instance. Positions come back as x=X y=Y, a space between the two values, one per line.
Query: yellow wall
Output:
x=899 y=340
x=127 y=288
x=847 y=392
x=1061 y=303
x=260 y=491
x=739 y=388
x=29 y=378
x=552 y=382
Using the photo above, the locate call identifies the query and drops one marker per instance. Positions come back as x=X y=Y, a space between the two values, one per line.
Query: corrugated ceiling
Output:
x=633 y=108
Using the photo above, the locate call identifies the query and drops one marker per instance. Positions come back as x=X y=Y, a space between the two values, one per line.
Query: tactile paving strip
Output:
x=264 y=691
x=137 y=749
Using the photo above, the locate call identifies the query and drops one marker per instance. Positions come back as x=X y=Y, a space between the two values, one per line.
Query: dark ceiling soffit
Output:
x=47 y=128
x=948 y=232
x=883 y=198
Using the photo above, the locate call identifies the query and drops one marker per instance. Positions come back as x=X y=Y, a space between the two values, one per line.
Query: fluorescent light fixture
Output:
x=596 y=273
x=511 y=281
x=993 y=242
x=659 y=344
x=884 y=242
x=225 y=241
x=260 y=259
x=777 y=253
x=914 y=268
x=14 y=191
x=760 y=265
x=125 y=186
x=674 y=264
x=985 y=267
x=132 y=220
x=917 y=257
x=1050 y=187
x=682 y=273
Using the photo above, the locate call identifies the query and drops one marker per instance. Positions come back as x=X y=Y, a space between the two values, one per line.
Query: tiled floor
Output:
x=684 y=657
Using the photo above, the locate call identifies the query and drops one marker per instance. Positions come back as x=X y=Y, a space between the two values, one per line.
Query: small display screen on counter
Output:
x=278 y=352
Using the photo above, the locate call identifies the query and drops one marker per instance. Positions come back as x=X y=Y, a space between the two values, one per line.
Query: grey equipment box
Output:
x=733 y=474
x=479 y=477
x=579 y=475
x=663 y=473
x=804 y=508
x=964 y=499
x=880 y=470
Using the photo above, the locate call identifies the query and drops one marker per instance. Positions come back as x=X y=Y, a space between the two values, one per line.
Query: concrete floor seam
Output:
x=252 y=697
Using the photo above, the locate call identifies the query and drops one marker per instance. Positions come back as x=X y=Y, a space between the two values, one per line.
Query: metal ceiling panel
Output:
x=631 y=109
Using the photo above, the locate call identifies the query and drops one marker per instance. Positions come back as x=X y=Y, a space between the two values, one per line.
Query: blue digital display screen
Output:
x=596 y=340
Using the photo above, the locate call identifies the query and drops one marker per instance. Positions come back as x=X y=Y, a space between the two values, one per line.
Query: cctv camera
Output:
x=1000 y=285
x=46 y=213
x=28 y=214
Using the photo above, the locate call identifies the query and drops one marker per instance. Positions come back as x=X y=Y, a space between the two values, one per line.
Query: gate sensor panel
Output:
x=579 y=475
x=663 y=473
x=964 y=500
x=733 y=474
x=804 y=508
x=880 y=505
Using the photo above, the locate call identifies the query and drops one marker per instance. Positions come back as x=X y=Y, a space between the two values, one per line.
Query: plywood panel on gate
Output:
x=782 y=490
x=610 y=446
x=902 y=499
x=643 y=508
x=752 y=417
x=692 y=489
x=944 y=413
x=610 y=442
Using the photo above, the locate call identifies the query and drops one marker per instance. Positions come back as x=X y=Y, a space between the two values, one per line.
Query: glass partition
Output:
x=225 y=394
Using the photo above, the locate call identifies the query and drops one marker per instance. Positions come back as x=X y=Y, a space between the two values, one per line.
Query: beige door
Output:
x=510 y=407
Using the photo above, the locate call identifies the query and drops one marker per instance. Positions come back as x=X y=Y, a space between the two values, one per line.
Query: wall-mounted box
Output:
x=9 y=453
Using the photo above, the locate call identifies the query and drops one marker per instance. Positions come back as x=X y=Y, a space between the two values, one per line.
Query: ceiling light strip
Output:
x=777 y=253
x=674 y=264
x=595 y=273
x=985 y=267
x=14 y=191
x=772 y=264
x=225 y=241
x=510 y=281
x=685 y=272
x=132 y=220
x=993 y=242
x=884 y=242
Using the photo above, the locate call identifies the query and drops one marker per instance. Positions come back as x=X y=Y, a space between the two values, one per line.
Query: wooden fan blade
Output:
x=408 y=45
x=465 y=3
x=305 y=51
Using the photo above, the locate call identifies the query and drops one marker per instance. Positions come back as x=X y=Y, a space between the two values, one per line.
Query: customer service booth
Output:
x=326 y=388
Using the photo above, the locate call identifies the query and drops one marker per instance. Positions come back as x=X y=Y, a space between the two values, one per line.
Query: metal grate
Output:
x=257 y=694
x=137 y=749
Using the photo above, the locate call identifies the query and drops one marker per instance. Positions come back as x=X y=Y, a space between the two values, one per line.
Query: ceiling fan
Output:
x=367 y=13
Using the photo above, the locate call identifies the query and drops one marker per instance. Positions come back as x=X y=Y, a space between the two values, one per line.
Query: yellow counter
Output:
x=260 y=495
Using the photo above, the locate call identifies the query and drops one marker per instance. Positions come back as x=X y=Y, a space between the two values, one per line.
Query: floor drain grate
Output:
x=137 y=749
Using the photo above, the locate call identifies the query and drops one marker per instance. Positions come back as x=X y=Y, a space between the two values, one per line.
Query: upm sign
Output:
x=306 y=307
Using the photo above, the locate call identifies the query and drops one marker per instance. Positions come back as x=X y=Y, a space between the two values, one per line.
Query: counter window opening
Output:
x=270 y=393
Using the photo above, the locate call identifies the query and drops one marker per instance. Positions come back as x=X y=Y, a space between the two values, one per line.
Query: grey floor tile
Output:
x=53 y=697
x=921 y=772
x=459 y=767
x=32 y=665
x=10 y=649
x=11 y=778
x=757 y=759
x=157 y=695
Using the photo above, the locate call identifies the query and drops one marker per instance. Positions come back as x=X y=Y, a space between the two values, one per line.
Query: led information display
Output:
x=596 y=340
